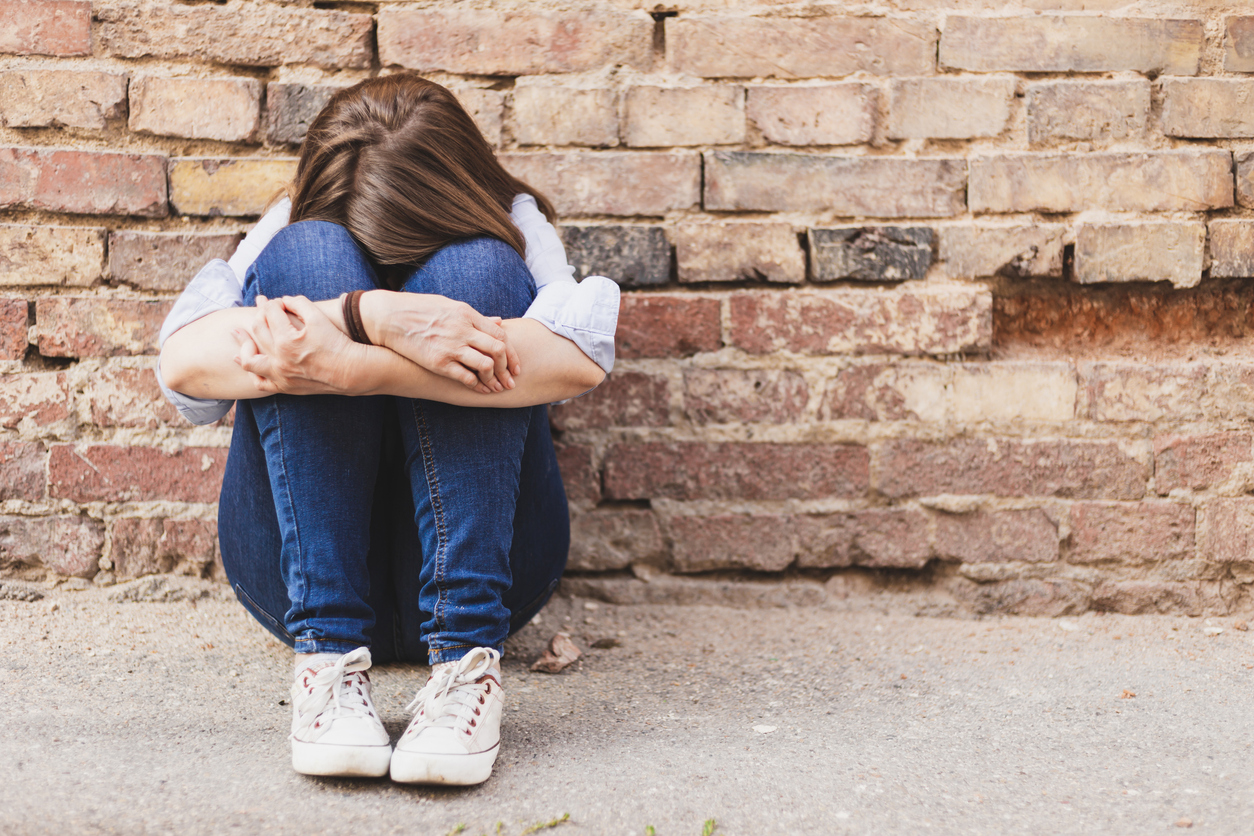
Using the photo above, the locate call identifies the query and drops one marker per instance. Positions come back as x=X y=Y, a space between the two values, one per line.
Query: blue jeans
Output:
x=412 y=527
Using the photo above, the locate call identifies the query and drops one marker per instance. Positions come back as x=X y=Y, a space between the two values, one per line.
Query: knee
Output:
x=316 y=259
x=485 y=273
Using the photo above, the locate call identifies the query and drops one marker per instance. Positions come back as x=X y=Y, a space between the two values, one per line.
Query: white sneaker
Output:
x=335 y=729
x=456 y=731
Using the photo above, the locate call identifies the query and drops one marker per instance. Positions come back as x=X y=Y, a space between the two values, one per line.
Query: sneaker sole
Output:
x=455 y=770
x=341 y=761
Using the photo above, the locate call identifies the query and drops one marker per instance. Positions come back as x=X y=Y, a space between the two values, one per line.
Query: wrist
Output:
x=374 y=307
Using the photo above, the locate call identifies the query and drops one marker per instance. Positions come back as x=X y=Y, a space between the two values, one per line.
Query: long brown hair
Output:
x=399 y=162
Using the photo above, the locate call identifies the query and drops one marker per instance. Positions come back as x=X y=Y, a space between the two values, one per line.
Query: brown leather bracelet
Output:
x=352 y=317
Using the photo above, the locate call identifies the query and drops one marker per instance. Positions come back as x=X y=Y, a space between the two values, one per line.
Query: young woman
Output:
x=391 y=334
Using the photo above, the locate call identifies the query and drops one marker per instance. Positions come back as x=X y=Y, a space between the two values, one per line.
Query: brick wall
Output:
x=921 y=291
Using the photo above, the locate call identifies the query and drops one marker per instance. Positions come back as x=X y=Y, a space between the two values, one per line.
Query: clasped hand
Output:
x=294 y=347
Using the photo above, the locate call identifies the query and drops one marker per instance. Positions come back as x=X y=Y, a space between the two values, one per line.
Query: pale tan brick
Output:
x=1245 y=177
x=981 y=250
x=1071 y=43
x=551 y=114
x=1014 y=392
x=524 y=41
x=61 y=256
x=1087 y=110
x=1171 y=251
x=1151 y=181
x=949 y=108
x=611 y=182
x=723 y=252
x=1208 y=107
x=487 y=108
x=662 y=116
x=1231 y=248
x=243 y=186
x=831 y=114
x=1239 y=44
x=740 y=47
x=61 y=98
x=226 y=109
x=164 y=260
x=890 y=392
x=1141 y=392
x=868 y=186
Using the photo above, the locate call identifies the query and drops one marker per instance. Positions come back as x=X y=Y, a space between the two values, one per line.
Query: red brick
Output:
x=45 y=27
x=66 y=545
x=762 y=543
x=109 y=473
x=690 y=470
x=723 y=47
x=526 y=41
x=61 y=98
x=611 y=182
x=1050 y=597
x=1135 y=533
x=654 y=325
x=733 y=396
x=1008 y=467
x=938 y=320
x=129 y=398
x=225 y=109
x=1228 y=533
x=877 y=538
x=608 y=540
x=878 y=187
x=1139 y=392
x=582 y=481
x=83 y=182
x=148 y=546
x=625 y=399
x=869 y=393
x=1027 y=536
x=23 y=470
x=13 y=328
x=165 y=260
x=1140 y=597
x=94 y=327
x=43 y=398
x=242 y=34
x=1198 y=462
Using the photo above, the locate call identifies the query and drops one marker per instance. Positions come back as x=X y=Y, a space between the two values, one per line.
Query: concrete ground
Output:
x=150 y=718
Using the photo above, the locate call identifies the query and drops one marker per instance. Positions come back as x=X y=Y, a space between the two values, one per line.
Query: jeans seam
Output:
x=287 y=488
x=437 y=511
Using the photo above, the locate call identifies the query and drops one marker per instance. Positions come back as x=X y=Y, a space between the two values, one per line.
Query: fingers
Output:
x=494 y=350
x=304 y=309
x=511 y=353
x=276 y=317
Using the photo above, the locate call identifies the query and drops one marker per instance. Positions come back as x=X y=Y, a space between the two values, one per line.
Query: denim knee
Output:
x=485 y=273
x=317 y=259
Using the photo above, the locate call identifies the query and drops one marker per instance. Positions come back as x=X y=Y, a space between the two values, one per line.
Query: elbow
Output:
x=172 y=374
x=591 y=376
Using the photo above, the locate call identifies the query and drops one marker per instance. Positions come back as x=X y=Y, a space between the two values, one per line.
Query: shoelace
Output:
x=343 y=685
x=451 y=698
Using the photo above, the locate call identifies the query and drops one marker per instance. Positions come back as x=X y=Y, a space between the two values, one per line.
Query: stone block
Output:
x=879 y=187
x=1231 y=242
x=65 y=544
x=870 y=253
x=165 y=261
x=1125 y=391
x=760 y=543
x=291 y=107
x=611 y=182
x=57 y=256
x=984 y=250
x=235 y=187
x=625 y=399
x=116 y=473
x=1148 y=596
x=1198 y=462
x=878 y=539
x=1173 y=251
x=665 y=116
x=738 y=251
x=13 y=328
x=513 y=42
x=1226 y=527
x=633 y=256
x=582 y=480
x=47 y=27
x=61 y=98
x=604 y=541
x=129 y=398
x=1087 y=110
x=717 y=46
x=487 y=108
x=735 y=396
x=1046 y=43
x=225 y=109
x=1239 y=44
x=1025 y=536
x=934 y=320
x=910 y=391
x=23 y=471
x=149 y=546
x=83 y=182
x=830 y=114
x=949 y=108
x=41 y=399
x=1207 y=108
x=1190 y=180
x=734 y=471
x=549 y=114
x=1014 y=392
x=237 y=32
x=1130 y=533
x=656 y=325
x=1230 y=391
x=90 y=326
x=1042 y=597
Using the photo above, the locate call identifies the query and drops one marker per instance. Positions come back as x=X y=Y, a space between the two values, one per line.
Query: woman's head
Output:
x=399 y=163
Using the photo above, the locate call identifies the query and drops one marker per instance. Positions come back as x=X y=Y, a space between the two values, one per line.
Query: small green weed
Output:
x=545 y=825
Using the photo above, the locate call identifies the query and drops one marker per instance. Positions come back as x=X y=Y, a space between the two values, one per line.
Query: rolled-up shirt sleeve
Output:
x=586 y=313
x=213 y=289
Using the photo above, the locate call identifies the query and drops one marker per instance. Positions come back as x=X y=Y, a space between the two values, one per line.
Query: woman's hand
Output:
x=444 y=336
x=293 y=348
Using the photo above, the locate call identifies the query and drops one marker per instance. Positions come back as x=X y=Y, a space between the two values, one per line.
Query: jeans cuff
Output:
x=325 y=646
x=453 y=652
